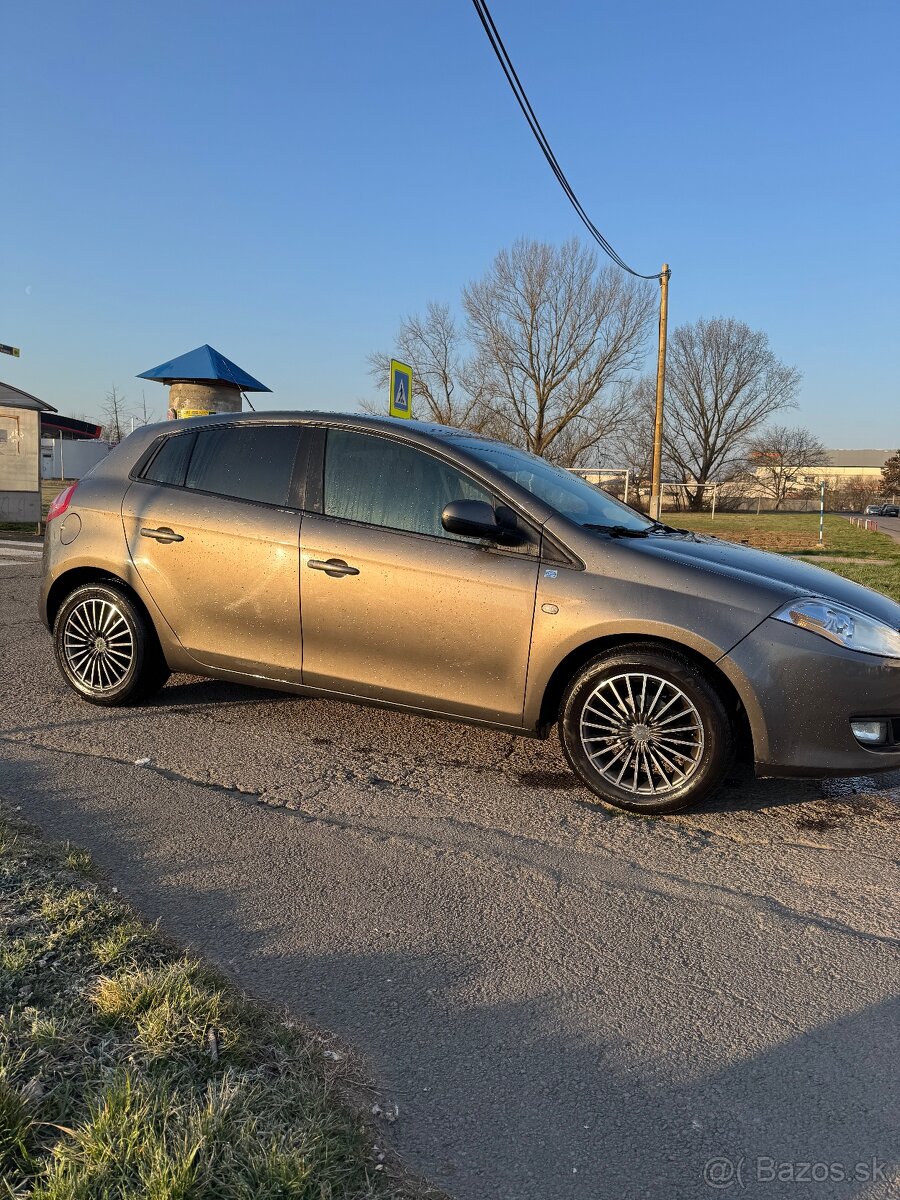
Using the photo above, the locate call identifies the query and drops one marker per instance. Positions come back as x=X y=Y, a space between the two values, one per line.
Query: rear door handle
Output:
x=163 y=534
x=335 y=567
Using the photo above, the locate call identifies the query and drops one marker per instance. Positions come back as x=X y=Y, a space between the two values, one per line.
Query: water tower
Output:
x=203 y=381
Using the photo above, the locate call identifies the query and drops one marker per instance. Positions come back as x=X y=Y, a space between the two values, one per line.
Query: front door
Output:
x=211 y=534
x=408 y=613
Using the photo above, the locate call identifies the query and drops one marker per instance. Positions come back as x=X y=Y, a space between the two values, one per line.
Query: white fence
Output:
x=70 y=458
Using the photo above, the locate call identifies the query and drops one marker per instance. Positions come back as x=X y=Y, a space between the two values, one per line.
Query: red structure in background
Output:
x=55 y=426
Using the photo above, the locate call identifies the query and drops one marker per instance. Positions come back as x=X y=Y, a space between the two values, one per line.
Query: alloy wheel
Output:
x=642 y=733
x=98 y=644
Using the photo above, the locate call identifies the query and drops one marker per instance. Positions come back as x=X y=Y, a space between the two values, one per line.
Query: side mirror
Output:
x=476 y=518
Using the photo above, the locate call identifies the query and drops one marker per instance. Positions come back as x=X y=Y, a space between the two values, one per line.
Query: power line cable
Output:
x=541 y=138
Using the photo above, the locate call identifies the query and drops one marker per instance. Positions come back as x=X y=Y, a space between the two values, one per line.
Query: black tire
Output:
x=106 y=648
x=661 y=767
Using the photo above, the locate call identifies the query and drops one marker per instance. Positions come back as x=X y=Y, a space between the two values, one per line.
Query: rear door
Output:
x=213 y=529
x=408 y=613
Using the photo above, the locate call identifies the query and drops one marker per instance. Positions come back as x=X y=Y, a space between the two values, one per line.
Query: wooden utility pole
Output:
x=656 y=473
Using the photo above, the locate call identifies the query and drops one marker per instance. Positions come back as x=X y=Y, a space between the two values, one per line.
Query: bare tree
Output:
x=115 y=416
x=852 y=492
x=722 y=384
x=145 y=415
x=552 y=336
x=447 y=384
x=631 y=445
x=780 y=456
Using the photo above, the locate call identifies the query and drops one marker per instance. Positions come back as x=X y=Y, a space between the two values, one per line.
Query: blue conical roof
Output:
x=204 y=365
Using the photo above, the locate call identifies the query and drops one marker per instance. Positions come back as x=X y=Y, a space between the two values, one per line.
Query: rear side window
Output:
x=246 y=462
x=169 y=464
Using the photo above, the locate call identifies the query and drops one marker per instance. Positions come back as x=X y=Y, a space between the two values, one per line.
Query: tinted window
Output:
x=170 y=463
x=247 y=462
x=382 y=482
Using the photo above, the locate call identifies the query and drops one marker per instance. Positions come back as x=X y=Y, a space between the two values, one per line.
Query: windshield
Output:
x=567 y=493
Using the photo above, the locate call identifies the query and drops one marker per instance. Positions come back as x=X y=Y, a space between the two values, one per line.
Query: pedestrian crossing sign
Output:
x=401 y=389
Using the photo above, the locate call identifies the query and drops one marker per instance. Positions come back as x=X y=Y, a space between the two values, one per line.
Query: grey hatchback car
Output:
x=432 y=570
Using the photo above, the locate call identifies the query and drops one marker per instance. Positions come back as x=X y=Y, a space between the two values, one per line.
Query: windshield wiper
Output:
x=659 y=527
x=616 y=530
x=655 y=527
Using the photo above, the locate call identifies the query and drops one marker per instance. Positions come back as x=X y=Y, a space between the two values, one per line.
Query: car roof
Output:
x=317 y=417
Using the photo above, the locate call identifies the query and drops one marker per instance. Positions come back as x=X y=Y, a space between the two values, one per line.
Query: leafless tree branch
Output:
x=116 y=415
x=553 y=335
x=722 y=384
x=447 y=385
x=780 y=456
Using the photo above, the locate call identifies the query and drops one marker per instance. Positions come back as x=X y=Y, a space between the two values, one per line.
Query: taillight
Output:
x=61 y=503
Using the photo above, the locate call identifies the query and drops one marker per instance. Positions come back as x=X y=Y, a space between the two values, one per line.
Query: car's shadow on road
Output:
x=545 y=770
x=185 y=691
x=184 y=696
x=521 y=762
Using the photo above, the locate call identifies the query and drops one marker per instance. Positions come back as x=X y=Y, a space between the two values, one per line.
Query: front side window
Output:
x=379 y=481
x=567 y=493
x=245 y=462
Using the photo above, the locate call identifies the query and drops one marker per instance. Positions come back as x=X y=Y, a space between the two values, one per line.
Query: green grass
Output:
x=798 y=534
x=881 y=578
x=130 y=1070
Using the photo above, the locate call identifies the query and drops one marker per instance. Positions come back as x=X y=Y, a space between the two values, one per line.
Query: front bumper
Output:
x=801 y=691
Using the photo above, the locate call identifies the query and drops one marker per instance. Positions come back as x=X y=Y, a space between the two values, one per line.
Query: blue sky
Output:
x=286 y=180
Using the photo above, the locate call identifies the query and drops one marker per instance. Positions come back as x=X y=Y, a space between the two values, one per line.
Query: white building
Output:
x=20 y=454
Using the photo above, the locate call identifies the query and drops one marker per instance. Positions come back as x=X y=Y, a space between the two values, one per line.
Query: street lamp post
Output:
x=656 y=472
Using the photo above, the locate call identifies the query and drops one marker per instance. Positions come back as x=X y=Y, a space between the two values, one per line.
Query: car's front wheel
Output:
x=106 y=648
x=645 y=729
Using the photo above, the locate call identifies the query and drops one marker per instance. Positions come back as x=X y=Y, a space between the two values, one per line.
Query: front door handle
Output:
x=335 y=567
x=163 y=534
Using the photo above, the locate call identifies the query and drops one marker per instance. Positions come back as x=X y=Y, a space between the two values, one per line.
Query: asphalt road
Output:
x=565 y=1003
x=889 y=525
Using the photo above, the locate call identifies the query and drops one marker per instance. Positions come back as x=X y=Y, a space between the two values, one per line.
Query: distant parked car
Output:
x=439 y=572
x=873 y=510
x=890 y=510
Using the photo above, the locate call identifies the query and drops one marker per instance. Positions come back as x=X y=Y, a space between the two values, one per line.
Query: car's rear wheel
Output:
x=646 y=730
x=106 y=648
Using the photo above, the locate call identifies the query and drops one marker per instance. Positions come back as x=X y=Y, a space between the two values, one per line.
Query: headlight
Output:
x=843 y=625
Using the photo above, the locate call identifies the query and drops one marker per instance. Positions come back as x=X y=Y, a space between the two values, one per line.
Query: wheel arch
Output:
x=565 y=671
x=78 y=577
